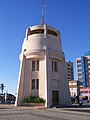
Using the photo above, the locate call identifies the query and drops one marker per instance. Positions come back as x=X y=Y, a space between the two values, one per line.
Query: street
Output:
x=8 y=112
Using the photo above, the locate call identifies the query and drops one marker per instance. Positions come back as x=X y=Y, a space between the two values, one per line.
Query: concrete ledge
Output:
x=36 y=105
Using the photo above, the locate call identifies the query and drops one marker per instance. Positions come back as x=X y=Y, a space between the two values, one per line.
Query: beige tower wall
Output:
x=24 y=81
x=42 y=78
x=64 y=99
x=58 y=81
x=27 y=78
x=45 y=48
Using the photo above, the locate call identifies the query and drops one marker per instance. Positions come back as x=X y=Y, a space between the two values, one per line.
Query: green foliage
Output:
x=33 y=99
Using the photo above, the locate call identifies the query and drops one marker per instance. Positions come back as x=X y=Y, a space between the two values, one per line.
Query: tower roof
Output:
x=43 y=29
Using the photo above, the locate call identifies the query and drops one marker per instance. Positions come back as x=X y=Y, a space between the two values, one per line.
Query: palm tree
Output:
x=2 y=87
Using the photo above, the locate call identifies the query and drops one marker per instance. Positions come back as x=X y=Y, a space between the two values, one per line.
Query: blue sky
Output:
x=70 y=17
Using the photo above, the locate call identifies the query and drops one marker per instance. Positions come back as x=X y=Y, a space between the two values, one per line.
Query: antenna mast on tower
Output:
x=42 y=12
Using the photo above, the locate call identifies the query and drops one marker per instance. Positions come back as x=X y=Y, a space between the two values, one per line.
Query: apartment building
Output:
x=70 y=71
x=83 y=69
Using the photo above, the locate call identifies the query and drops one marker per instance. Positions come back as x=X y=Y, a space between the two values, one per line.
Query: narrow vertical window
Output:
x=37 y=84
x=54 y=66
x=33 y=65
x=33 y=84
x=37 y=65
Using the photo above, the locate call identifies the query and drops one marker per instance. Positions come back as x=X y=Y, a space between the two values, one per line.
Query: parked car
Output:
x=83 y=102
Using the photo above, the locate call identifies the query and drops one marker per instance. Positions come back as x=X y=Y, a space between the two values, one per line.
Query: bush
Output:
x=33 y=99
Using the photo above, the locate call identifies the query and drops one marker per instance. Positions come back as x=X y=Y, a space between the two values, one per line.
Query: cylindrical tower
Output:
x=43 y=67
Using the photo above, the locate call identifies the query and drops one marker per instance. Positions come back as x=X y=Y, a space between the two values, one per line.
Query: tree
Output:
x=2 y=87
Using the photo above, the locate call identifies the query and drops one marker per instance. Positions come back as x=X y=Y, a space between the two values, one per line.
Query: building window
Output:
x=74 y=83
x=54 y=66
x=86 y=91
x=79 y=70
x=79 y=65
x=79 y=74
x=35 y=65
x=68 y=68
x=71 y=88
x=69 y=75
x=89 y=59
x=35 y=84
x=37 y=31
x=51 y=32
x=88 y=64
x=79 y=78
x=78 y=61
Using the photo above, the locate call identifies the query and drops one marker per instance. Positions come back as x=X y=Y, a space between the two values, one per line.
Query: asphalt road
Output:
x=8 y=112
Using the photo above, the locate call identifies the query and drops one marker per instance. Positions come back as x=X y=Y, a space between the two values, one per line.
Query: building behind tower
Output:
x=70 y=71
x=83 y=69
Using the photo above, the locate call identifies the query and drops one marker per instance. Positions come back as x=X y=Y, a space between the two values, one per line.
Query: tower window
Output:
x=35 y=84
x=51 y=32
x=54 y=66
x=37 y=31
x=35 y=65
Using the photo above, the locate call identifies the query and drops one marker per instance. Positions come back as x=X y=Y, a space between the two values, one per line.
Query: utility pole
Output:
x=42 y=12
x=6 y=96
x=2 y=87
